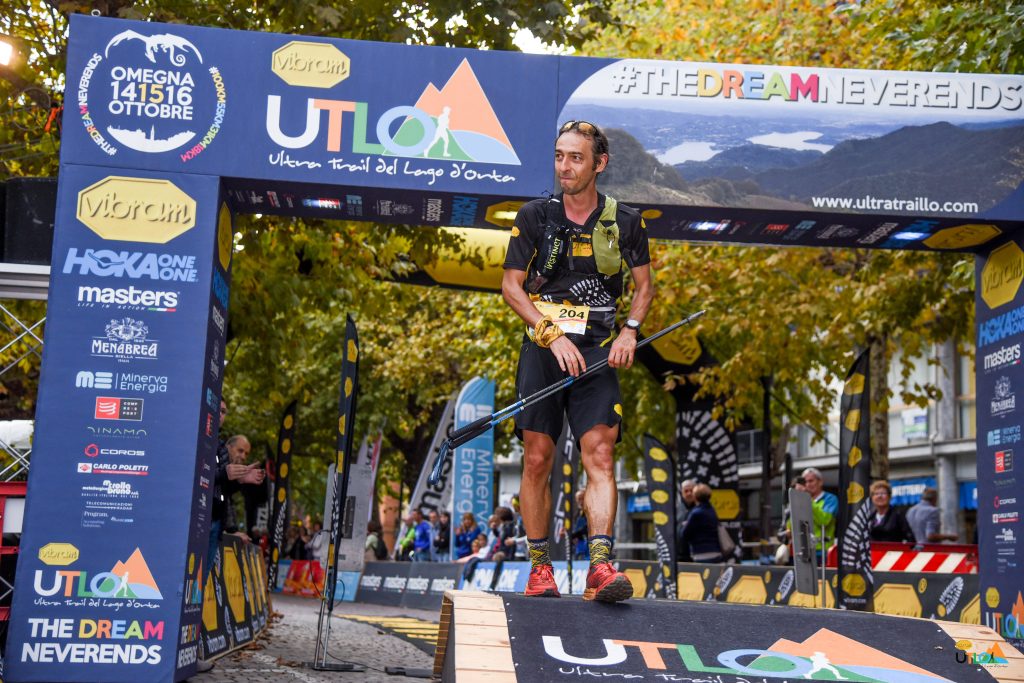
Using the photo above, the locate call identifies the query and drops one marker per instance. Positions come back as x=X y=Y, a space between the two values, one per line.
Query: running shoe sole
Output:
x=546 y=593
x=616 y=590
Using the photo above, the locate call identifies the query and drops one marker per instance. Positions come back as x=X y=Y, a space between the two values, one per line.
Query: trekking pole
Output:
x=475 y=429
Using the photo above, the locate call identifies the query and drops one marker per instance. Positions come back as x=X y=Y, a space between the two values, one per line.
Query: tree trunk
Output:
x=879 y=364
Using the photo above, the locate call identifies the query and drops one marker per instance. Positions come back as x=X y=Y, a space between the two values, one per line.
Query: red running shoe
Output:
x=607 y=585
x=542 y=583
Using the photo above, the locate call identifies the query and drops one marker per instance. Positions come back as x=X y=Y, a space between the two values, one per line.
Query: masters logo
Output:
x=136 y=209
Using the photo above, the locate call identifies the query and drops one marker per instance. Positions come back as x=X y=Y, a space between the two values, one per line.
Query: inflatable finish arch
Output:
x=170 y=129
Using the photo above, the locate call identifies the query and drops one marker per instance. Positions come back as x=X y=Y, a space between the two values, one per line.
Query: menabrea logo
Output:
x=125 y=339
x=131 y=264
x=152 y=94
x=136 y=209
x=313 y=65
x=1004 y=400
x=129 y=580
x=454 y=122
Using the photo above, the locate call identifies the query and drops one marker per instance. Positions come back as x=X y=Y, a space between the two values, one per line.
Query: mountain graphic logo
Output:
x=465 y=125
x=135 y=579
x=831 y=656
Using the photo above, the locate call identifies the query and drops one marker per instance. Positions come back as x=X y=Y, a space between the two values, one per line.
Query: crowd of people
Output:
x=431 y=538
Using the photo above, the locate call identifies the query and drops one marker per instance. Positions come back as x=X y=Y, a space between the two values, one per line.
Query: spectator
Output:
x=521 y=551
x=888 y=523
x=468 y=532
x=433 y=519
x=824 y=506
x=443 y=538
x=248 y=480
x=688 y=501
x=316 y=543
x=925 y=520
x=578 y=535
x=700 y=534
x=375 y=549
x=294 y=547
x=421 y=537
x=506 y=534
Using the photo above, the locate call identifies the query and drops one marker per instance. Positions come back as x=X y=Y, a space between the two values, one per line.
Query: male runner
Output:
x=563 y=277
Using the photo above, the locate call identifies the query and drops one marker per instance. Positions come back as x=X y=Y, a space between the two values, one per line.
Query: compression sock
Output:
x=538 y=551
x=600 y=549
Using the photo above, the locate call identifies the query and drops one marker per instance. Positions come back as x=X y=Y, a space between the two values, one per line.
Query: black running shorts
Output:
x=595 y=400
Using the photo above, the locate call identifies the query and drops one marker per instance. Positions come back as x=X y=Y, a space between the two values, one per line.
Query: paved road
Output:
x=366 y=638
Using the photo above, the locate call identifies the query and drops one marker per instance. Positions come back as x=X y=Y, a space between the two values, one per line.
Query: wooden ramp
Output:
x=506 y=637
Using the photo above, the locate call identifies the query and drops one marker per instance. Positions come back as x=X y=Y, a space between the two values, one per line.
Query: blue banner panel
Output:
x=116 y=528
x=333 y=112
x=999 y=375
x=473 y=484
x=443 y=136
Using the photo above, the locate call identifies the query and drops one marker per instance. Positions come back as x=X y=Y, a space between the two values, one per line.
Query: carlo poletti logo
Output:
x=152 y=94
x=455 y=122
x=136 y=209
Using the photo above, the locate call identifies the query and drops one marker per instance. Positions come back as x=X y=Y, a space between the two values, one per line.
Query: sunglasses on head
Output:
x=582 y=126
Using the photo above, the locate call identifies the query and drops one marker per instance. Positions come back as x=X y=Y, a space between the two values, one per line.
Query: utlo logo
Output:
x=454 y=122
x=136 y=209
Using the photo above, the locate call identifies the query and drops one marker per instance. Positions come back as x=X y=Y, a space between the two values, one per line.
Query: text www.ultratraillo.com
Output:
x=868 y=202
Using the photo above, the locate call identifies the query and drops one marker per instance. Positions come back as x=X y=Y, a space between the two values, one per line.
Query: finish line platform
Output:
x=506 y=638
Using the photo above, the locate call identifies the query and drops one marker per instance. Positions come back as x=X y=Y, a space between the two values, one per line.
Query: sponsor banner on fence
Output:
x=427 y=583
x=235 y=603
x=383 y=583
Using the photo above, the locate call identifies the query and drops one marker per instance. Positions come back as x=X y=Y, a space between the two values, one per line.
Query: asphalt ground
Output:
x=373 y=636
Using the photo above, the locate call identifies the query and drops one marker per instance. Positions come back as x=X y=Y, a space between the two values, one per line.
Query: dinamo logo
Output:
x=136 y=209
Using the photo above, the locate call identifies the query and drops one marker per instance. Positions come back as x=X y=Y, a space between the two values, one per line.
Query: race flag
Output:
x=343 y=451
x=853 y=531
x=563 y=491
x=439 y=496
x=660 y=471
x=279 y=519
x=473 y=485
x=706 y=449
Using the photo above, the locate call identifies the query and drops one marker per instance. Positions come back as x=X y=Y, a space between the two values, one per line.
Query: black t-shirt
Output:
x=583 y=285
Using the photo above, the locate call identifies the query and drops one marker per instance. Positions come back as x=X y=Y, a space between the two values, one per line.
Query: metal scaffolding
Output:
x=19 y=339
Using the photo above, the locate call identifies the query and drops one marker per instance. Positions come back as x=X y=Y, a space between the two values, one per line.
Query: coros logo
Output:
x=136 y=210
x=1002 y=274
x=132 y=264
x=58 y=554
x=313 y=65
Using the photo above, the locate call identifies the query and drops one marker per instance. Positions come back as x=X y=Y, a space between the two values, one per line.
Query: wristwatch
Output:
x=633 y=324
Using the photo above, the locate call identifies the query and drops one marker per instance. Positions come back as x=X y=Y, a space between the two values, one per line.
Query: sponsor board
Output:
x=136 y=210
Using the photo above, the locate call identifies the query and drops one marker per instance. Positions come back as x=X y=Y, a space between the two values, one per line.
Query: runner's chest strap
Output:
x=605 y=239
